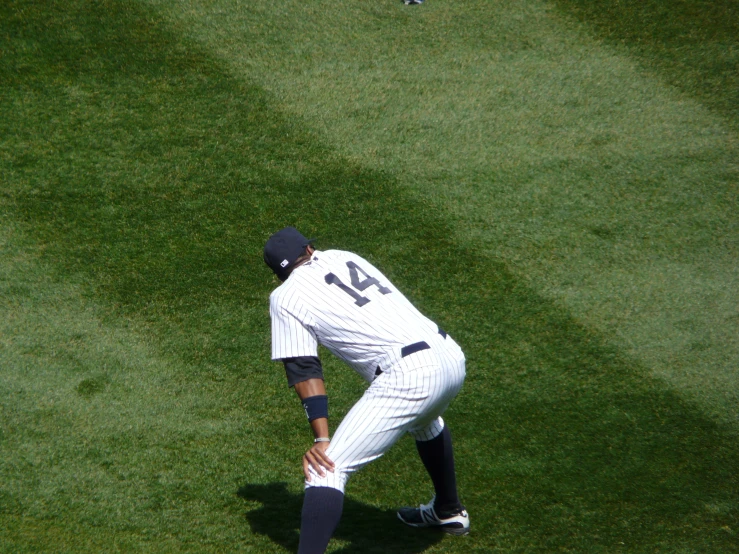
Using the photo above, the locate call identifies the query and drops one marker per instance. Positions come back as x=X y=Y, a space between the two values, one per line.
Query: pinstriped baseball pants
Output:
x=408 y=397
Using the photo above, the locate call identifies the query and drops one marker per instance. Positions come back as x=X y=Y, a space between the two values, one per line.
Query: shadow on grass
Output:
x=692 y=43
x=138 y=165
x=365 y=528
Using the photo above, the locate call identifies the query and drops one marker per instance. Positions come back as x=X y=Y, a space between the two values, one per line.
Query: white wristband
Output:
x=322 y=439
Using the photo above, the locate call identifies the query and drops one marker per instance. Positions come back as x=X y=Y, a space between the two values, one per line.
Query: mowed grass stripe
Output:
x=692 y=43
x=574 y=159
x=145 y=173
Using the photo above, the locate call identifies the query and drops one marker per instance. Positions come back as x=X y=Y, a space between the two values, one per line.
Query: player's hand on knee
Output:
x=317 y=459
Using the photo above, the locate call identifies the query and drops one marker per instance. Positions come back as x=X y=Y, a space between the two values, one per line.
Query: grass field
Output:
x=554 y=182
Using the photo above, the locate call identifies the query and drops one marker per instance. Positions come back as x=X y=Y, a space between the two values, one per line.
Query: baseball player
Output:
x=414 y=369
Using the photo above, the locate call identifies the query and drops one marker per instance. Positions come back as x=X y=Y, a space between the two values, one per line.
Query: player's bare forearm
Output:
x=311 y=387
x=320 y=427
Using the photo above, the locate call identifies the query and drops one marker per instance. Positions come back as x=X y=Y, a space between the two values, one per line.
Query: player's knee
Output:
x=334 y=479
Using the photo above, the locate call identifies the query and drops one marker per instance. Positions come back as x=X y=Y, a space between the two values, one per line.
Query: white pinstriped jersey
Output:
x=343 y=302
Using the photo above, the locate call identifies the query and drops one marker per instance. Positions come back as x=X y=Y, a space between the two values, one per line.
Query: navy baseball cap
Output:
x=283 y=248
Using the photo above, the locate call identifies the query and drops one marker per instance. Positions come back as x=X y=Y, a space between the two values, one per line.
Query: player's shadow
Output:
x=365 y=528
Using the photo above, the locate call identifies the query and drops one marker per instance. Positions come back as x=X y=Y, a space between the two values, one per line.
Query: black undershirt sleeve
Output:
x=302 y=368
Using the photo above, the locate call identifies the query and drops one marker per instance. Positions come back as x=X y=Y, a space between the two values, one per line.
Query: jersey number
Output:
x=354 y=271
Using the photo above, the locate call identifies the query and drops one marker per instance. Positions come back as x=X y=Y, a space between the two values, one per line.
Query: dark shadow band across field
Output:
x=141 y=168
x=694 y=45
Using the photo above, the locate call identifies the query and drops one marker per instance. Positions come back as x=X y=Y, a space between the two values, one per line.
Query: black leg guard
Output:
x=322 y=508
x=438 y=457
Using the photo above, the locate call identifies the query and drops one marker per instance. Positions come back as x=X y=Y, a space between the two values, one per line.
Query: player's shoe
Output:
x=412 y=2
x=457 y=523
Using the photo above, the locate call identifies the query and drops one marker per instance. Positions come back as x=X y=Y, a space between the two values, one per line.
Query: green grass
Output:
x=692 y=44
x=550 y=203
x=572 y=161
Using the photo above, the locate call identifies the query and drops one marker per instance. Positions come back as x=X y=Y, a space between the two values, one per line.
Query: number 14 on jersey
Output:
x=359 y=285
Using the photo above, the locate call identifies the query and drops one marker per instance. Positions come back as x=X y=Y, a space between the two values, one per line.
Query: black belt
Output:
x=412 y=349
x=418 y=346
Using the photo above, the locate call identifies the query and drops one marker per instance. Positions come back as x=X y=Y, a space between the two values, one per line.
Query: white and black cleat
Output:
x=457 y=523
